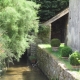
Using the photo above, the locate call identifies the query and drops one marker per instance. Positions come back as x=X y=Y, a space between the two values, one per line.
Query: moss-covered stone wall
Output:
x=52 y=67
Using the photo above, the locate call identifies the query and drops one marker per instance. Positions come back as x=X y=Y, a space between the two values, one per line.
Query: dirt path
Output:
x=22 y=71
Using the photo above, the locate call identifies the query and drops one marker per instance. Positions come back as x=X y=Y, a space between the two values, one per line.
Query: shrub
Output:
x=75 y=58
x=44 y=33
x=55 y=42
x=66 y=51
x=32 y=59
x=43 y=30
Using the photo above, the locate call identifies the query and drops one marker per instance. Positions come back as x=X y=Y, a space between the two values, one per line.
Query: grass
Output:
x=58 y=55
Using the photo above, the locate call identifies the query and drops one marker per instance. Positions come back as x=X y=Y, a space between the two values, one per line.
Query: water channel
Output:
x=23 y=71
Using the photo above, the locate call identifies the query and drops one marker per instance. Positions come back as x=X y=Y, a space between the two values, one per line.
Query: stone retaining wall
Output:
x=53 y=68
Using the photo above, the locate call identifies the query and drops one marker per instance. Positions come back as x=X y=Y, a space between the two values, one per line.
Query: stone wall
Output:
x=40 y=39
x=33 y=47
x=73 y=31
x=51 y=67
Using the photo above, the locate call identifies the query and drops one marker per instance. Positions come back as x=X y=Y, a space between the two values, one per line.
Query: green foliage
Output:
x=55 y=79
x=55 y=42
x=66 y=51
x=43 y=30
x=43 y=33
x=75 y=58
x=18 y=18
x=32 y=57
x=50 y=8
x=6 y=54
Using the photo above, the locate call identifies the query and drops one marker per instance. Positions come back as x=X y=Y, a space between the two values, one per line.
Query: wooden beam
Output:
x=64 y=12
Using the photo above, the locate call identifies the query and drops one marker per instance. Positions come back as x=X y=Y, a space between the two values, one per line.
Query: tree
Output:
x=18 y=19
x=6 y=54
x=50 y=8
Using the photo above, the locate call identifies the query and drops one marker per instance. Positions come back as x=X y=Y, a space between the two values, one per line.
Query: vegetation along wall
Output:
x=73 y=33
x=44 y=36
x=52 y=67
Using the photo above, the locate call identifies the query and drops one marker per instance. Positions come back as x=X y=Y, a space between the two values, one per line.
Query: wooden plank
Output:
x=64 y=12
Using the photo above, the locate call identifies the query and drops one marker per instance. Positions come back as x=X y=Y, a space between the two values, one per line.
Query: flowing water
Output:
x=23 y=71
